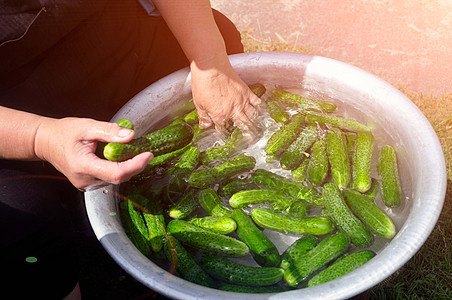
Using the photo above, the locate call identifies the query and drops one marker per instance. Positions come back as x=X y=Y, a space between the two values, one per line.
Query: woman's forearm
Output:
x=17 y=134
x=193 y=25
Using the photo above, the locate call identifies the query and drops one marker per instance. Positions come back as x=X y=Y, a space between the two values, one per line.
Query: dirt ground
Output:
x=404 y=42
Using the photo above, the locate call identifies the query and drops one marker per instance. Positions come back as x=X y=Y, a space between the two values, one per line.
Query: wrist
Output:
x=41 y=144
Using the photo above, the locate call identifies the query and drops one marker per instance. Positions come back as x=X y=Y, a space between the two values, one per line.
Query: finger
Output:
x=107 y=132
x=118 y=172
x=204 y=119
x=255 y=100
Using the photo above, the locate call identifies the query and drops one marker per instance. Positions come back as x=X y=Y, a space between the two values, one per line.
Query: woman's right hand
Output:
x=69 y=144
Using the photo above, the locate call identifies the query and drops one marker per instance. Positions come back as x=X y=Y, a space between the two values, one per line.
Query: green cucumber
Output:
x=203 y=178
x=351 y=140
x=165 y=140
x=236 y=288
x=183 y=262
x=277 y=199
x=206 y=240
x=296 y=152
x=362 y=161
x=286 y=223
x=212 y=204
x=125 y=123
x=185 y=205
x=298 y=190
x=317 y=169
x=223 y=225
x=178 y=173
x=298 y=248
x=261 y=247
x=232 y=144
x=191 y=117
x=376 y=219
x=277 y=112
x=281 y=139
x=336 y=121
x=388 y=176
x=258 y=89
x=237 y=184
x=154 y=220
x=326 y=251
x=135 y=227
x=373 y=191
x=164 y=159
x=304 y=103
x=336 y=148
x=298 y=208
x=299 y=173
x=344 y=217
x=342 y=267
x=231 y=272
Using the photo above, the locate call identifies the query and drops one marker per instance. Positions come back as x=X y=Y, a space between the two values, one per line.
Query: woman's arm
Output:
x=218 y=92
x=69 y=144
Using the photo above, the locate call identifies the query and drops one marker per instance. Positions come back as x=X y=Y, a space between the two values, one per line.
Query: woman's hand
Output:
x=69 y=144
x=221 y=97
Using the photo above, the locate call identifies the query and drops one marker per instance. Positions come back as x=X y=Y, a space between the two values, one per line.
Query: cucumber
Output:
x=154 y=220
x=317 y=169
x=165 y=140
x=236 y=288
x=258 y=89
x=237 y=184
x=304 y=103
x=336 y=148
x=191 y=117
x=351 y=140
x=342 y=267
x=231 y=272
x=343 y=216
x=277 y=112
x=286 y=223
x=376 y=219
x=281 y=139
x=298 y=208
x=178 y=173
x=185 y=205
x=373 y=191
x=362 y=161
x=125 y=123
x=134 y=227
x=326 y=251
x=181 y=260
x=206 y=240
x=276 y=199
x=232 y=144
x=336 y=121
x=261 y=247
x=297 y=190
x=164 y=159
x=388 y=176
x=298 y=248
x=203 y=178
x=296 y=152
x=212 y=204
x=223 y=225
x=299 y=173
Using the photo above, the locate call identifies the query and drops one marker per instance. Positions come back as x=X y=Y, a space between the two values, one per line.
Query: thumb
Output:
x=108 y=132
x=204 y=119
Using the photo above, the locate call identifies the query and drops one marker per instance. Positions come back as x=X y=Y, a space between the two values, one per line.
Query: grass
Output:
x=428 y=274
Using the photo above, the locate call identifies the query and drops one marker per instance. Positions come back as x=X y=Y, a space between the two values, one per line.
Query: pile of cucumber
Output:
x=193 y=211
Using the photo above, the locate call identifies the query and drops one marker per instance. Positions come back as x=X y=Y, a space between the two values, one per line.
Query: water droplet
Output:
x=105 y=191
x=112 y=213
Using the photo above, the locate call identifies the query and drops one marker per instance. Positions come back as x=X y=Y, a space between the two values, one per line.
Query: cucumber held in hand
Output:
x=165 y=140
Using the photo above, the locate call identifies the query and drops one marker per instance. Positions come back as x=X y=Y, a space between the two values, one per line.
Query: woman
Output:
x=66 y=67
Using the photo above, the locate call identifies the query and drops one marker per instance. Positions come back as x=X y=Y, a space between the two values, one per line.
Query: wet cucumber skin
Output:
x=337 y=152
x=261 y=247
x=341 y=267
x=344 y=218
x=388 y=173
x=324 y=252
x=362 y=161
x=232 y=272
x=298 y=248
x=212 y=204
x=206 y=240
